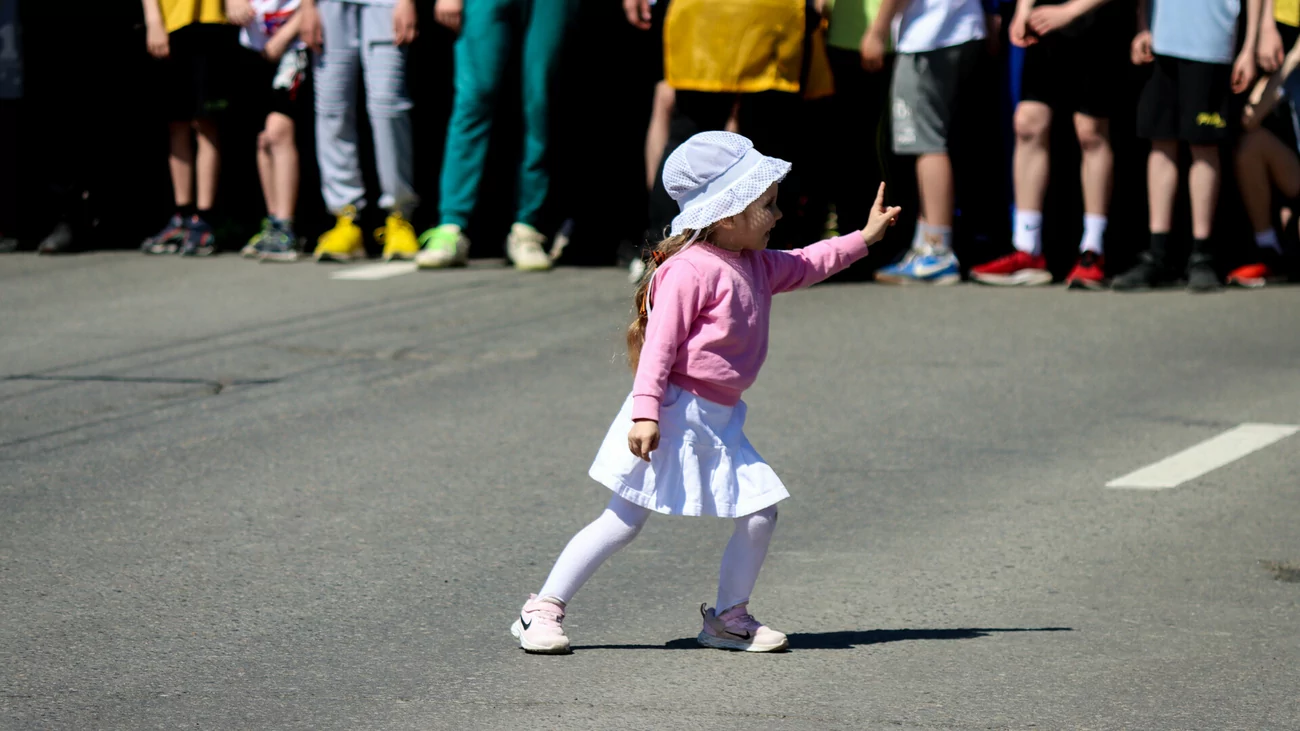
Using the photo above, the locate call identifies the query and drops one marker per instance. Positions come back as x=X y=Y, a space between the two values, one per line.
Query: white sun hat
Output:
x=714 y=175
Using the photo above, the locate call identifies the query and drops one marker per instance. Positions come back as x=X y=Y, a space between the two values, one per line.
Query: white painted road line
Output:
x=1210 y=454
x=372 y=272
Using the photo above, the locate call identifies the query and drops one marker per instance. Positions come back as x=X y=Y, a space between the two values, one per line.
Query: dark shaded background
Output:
x=92 y=117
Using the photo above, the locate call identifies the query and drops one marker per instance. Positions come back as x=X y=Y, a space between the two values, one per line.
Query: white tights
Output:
x=620 y=523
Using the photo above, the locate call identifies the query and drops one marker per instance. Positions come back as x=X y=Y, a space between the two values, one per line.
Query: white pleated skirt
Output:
x=704 y=464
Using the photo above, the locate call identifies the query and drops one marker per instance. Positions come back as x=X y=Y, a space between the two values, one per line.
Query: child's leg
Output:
x=336 y=118
x=592 y=546
x=1098 y=162
x=1262 y=159
x=548 y=24
x=181 y=163
x=384 y=66
x=208 y=166
x=279 y=140
x=934 y=177
x=1031 y=167
x=481 y=52
x=1162 y=185
x=1203 y=187
x=1097 y=174
x=744 y=557
x=266 y=170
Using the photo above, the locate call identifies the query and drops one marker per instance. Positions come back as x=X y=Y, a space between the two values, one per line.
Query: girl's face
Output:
x=751 y=228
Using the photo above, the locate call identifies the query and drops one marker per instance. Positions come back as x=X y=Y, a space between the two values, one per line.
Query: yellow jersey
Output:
x=1287 y=12
x=179 y=13
x=742 y=46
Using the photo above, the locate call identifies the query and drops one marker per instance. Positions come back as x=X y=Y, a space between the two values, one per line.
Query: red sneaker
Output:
x=1014 y=269
x=1088 y=273
x=1253 y=276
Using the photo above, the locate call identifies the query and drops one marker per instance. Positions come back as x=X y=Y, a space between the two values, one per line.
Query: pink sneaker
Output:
x=736 y=629
x=539 y=627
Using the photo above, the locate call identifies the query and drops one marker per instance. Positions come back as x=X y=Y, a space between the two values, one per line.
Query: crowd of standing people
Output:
x=900 y=74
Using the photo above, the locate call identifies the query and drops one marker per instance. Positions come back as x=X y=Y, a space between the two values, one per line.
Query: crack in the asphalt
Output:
x=217 y=385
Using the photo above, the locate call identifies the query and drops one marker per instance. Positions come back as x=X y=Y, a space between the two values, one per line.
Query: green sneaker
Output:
x=443 y=247
x=251 y=250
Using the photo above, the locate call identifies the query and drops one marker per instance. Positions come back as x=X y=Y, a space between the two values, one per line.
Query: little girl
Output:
x=700 y=336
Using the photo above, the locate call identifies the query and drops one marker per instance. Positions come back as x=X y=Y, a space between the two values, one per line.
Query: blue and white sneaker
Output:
x=926 y=265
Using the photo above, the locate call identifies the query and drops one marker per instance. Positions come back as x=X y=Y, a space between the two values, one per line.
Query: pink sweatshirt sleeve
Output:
x=678 y=297
x=791 y=270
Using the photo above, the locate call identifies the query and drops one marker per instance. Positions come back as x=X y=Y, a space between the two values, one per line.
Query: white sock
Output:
x=918 y=238
x=1268 y=240
x=1027 y=233
x=743 y=558
x=1094 y=226
x=592 y=546
x=939 y=239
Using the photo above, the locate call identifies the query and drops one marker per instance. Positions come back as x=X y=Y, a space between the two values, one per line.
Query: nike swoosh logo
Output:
x=526 y=623
x=924 y=270
x=745 y=636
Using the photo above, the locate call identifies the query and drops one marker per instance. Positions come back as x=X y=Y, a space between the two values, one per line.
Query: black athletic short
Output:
x=1077 y=71
x=282 y=83
x=1189 y=101
x=196 y=75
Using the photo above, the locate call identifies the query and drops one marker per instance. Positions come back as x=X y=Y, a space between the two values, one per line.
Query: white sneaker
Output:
x=736 y=629
x=539 y=627
x=443 y=247
x=524 y=249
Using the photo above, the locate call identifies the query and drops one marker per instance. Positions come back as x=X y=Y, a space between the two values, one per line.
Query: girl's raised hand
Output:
x=881 y=218
x=643 y=439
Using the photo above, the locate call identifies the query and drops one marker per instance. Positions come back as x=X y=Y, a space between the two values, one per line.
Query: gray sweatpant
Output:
x=359 y=37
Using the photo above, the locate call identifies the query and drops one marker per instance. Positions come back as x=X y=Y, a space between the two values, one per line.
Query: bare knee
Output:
x=278 y=131
x=1032 y=122
x=760 y=523
x=1092 y=133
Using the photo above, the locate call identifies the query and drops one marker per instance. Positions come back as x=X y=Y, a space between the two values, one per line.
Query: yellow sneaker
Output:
x=398 y=238
x=343 y=242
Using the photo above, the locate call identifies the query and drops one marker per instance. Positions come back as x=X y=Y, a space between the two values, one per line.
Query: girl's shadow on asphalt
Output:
x=847 y=640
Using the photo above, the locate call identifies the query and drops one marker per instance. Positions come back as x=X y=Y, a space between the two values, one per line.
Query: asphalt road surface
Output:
x=242 y=496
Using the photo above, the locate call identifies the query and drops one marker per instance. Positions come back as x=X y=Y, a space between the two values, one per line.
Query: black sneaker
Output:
x=168 y=240
x=1146 y=274
x=199 y=239
x=1201 y=277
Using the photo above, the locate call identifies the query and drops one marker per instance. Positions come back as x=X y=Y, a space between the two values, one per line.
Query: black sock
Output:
x=1159 y=246
x=204 y=215
x=1201 y=246
x=186 y=212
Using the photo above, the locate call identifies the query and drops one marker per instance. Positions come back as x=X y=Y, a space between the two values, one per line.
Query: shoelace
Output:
x=746 y=622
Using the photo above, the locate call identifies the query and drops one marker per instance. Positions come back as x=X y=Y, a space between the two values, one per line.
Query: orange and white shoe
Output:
x=1254 y=276
x=736 y=629
x=540 y=627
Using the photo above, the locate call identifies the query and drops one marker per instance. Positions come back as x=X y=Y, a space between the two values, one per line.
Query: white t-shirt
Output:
x=928 y=25
x=1195 y=30
x=268 y=17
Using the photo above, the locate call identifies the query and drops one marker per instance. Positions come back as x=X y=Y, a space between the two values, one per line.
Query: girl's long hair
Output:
x=660 y=254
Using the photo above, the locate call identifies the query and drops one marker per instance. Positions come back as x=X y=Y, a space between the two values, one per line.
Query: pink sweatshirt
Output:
x=708 y=325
